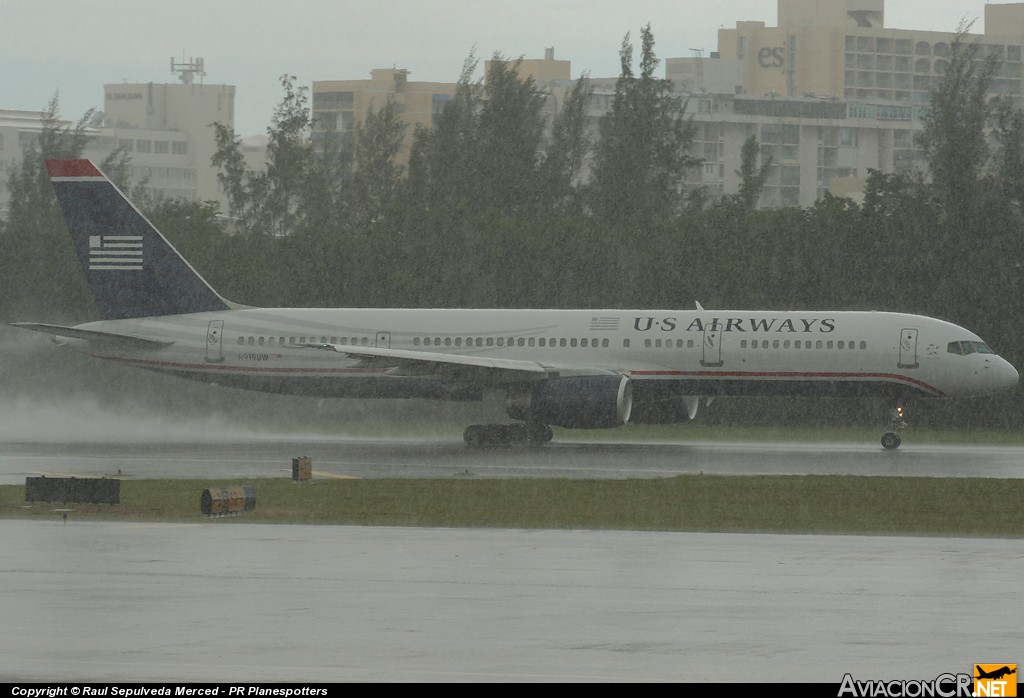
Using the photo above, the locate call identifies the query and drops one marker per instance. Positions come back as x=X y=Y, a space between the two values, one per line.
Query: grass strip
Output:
x=810 y=504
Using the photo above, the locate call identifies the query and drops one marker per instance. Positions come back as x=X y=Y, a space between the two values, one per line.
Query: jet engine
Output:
x=576 y=402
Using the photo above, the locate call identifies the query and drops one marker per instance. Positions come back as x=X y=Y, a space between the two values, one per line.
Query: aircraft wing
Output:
x=457 y=367
x=123 y=341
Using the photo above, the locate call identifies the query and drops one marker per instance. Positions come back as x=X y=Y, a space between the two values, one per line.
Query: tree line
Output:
x=498 y=208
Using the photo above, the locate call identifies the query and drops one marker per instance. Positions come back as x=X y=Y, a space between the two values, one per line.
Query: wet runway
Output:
x=242 y=603
x=236 y=602
x=271 y=457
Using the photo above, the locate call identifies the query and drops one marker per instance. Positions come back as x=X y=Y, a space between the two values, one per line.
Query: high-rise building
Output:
x=165 y=128
x=168 y=130
x=829 y=93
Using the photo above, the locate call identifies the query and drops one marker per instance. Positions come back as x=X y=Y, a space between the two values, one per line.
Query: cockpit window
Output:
x=965 y=348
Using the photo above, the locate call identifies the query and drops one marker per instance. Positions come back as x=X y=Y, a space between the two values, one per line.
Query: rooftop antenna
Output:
x=189 y=70
x=697 y=52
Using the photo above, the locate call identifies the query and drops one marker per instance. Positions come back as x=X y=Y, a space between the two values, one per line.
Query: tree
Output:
x=566 y=151
x=484 y=151
x=953 y=136
x=377 y=177
x=643 y=151
x=273 y=202
x=752 y=177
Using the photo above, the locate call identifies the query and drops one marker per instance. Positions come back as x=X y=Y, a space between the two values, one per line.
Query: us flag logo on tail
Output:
x=115 y=253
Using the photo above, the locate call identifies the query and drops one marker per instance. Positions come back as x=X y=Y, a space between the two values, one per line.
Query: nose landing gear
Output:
x=891 y=439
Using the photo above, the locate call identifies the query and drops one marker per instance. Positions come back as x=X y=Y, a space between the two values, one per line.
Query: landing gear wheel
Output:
x=891 y=440
x=517 y=434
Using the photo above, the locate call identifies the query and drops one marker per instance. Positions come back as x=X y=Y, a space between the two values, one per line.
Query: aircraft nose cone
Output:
x=1009 y=375
x=1002 y=374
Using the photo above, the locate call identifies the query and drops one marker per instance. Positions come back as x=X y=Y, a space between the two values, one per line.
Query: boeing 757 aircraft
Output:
x=581 y=369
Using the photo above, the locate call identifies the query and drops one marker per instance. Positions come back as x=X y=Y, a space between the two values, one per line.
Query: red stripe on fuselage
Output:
x=71 y=168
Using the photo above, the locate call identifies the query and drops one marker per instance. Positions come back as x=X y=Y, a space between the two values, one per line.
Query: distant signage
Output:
x=769 y=57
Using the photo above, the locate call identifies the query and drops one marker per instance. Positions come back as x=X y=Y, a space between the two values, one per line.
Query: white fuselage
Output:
x=695 y=352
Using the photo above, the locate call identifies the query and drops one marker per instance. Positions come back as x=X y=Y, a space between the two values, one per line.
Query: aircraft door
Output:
x=712 y=354
x=908 y=348
x=215 y=342
x=383 y=340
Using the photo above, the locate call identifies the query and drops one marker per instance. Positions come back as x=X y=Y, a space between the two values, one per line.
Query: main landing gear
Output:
x=891 y=439
x=496 y=435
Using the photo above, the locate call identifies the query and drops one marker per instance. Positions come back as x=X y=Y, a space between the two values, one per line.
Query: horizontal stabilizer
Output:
x=120 y=340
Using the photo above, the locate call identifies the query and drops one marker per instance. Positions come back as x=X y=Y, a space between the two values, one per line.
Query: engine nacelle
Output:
x=577 y=402
x=668 y=411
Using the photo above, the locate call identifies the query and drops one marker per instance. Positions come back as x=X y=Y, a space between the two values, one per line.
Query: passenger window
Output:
x=604 y=343
x=415 y=341
x=572 y=342
x=785 y=345
x=743 y=344
x=241 y=340
x=458 y=341
x=863 y=345
x=828 y=344
x=625 y=344
x=252 y=340
x=522 y=341
x=490 y=341
x=817 y=345
x=583 y=342
x=775 y=344
x=261 y=340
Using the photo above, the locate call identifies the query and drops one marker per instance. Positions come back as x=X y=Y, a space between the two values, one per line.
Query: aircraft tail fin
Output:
x=133 y=271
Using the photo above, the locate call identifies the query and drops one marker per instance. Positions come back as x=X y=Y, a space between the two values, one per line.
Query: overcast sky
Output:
x=75 y=47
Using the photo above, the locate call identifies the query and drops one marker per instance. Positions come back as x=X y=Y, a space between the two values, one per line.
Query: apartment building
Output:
x=830 y=93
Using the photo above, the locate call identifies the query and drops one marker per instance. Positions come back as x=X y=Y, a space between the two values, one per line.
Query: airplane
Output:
x=995 y=674
x=576 y=369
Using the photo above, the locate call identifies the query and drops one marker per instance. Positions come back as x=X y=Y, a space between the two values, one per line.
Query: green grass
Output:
x=972 y=507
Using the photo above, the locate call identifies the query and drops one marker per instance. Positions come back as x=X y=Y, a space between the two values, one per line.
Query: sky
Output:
x=72 y=48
